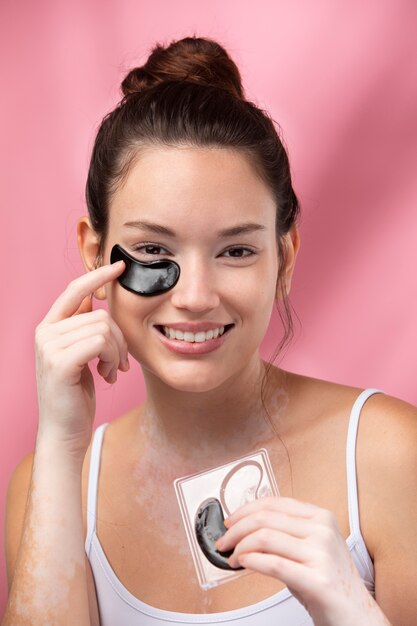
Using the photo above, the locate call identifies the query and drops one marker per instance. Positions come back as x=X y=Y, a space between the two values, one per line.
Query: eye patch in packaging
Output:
x=207 y=497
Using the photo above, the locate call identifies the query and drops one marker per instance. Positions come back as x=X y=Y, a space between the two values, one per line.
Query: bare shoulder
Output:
x=388 y=450
x=388 y=431
x=325 y=399
x=380 y=413
x=388 y=457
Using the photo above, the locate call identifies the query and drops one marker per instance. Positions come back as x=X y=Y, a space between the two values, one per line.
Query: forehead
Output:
x=192 y=183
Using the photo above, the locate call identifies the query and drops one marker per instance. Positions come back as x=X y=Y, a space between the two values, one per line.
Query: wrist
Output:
x=58 y=453
x=353 y=609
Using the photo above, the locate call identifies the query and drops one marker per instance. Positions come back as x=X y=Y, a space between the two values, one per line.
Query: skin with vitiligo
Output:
x=199 y=411
x=49 y=585
x=50 y=572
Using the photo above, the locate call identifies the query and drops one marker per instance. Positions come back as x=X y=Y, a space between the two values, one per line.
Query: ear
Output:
x=292 y=242
x=88 y=244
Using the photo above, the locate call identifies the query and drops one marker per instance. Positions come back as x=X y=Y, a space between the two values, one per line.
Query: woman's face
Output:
x=225 y=279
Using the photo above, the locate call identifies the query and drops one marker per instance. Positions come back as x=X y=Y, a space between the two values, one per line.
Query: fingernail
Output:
x=232 y=560
x=220 y=543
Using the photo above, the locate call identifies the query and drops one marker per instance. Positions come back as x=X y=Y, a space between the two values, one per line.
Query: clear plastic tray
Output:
x=242 y=480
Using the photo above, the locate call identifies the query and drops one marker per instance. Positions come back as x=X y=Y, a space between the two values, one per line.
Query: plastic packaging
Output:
x=207 y=497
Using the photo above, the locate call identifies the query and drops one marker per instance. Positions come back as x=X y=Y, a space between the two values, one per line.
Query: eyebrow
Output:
x=239 y=229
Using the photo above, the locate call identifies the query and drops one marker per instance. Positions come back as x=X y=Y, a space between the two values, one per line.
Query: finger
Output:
x=77 y=320
x=70 y=300
x=96 y=320
x=86 y=306
x=107 y=371
x=111 y=378
x=102 y=347
x=274 y=520
x=69 y=363
x=121 y=343
x=273 y=542
x=290 y=506
x=295 y=575
x=64 y=340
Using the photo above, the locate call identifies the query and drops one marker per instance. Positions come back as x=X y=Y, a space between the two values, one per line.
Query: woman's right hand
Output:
x=69 y=336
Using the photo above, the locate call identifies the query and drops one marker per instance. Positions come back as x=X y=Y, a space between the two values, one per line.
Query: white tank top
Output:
x=118 y=607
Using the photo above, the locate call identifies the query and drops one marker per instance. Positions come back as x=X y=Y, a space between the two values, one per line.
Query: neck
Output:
x=199 y=429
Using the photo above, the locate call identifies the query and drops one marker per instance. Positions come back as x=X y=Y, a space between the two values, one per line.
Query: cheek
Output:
x=129 y=310
x=252 y=297
x=256 y=287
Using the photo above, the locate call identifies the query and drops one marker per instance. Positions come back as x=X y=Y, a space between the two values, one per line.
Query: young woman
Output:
x=186 y=171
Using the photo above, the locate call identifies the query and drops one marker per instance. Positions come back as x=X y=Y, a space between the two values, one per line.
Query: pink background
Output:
x=339 y=77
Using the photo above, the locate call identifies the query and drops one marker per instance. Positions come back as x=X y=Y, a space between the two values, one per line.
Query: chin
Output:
x=193 y=383
x=188 y=377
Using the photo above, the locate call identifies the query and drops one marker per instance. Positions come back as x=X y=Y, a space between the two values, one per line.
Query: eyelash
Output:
x=153 y=245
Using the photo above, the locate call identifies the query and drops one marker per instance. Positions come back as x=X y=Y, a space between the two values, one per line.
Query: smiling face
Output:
x=186 y=199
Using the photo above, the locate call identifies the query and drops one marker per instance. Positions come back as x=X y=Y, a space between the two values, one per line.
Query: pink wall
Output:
x=339 y=77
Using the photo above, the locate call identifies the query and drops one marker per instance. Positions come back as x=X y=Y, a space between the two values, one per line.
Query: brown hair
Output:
x=190 y=93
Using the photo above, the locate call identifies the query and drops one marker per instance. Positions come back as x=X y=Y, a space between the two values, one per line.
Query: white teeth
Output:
x=199 y=337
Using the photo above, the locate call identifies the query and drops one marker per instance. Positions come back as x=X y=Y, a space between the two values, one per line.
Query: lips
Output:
x=191 y=347
x=225 y=328
x=195 y=327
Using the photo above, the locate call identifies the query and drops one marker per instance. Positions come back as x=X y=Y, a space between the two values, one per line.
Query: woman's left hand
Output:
x=300 y=544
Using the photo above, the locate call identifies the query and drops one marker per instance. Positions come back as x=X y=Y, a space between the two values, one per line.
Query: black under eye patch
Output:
x=145 y=279
x=209 y=527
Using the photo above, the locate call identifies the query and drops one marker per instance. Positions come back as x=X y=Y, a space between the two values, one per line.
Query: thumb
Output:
x=86 y=305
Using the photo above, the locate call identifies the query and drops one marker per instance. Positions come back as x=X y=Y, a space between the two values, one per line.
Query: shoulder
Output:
x=389 y=429
x=389 y=432
x=386 y=469
x=381 y=416
x=387 y=476
x=389 y=458
x=386 y=448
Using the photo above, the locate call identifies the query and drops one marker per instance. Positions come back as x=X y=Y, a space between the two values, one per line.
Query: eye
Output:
x=235 y=252
x=150 y=249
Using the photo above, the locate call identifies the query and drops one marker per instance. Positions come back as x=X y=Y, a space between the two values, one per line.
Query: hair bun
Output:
x=193 y=59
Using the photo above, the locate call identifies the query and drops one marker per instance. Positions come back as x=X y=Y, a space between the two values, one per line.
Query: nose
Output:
x=196 y=288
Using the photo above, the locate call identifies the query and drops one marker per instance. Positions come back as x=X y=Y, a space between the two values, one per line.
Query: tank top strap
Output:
x=92 y=491
x=351 y=460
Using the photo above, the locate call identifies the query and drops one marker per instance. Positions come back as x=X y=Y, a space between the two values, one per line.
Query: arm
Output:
x=49 y=578
x=46 y=562
x=300 y=543
x=389 y=473
x=394 y=483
